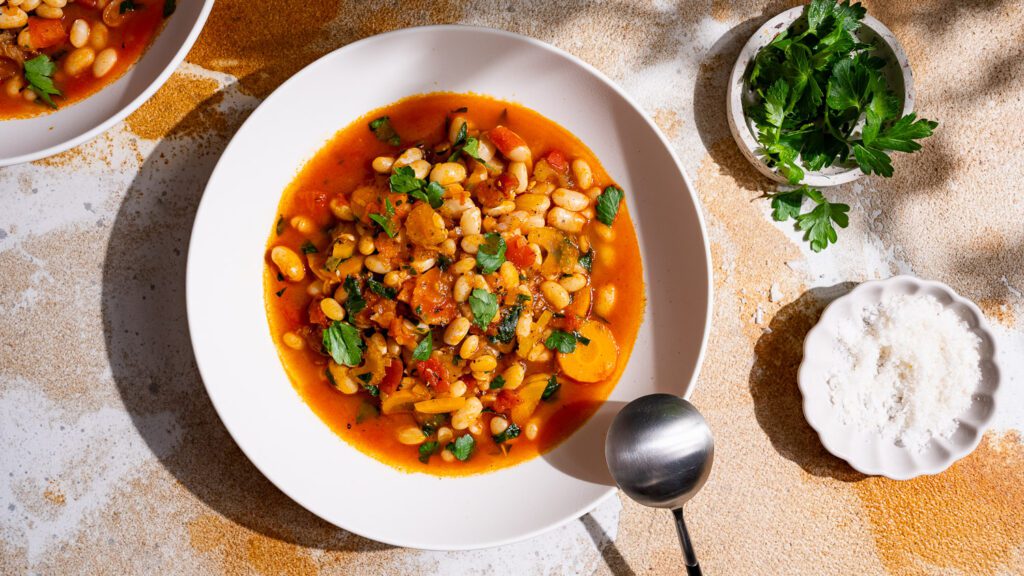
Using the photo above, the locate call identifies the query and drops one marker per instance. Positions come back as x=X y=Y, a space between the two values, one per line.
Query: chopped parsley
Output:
x=472 y=148
x=462 y=447
x=404 y=181
x=587 y=260
x=380 y=289
x=551 y=388
x=427 y=449
x=128 y=6
x=424 y=348
x=355 y=303
x=365 y=377
x=581 y=338
x=279 y=228
x=341 y=340
x=507 y=326
x=608 y=204
x=281 y=291
x=564 y=342
x=443 y=262
x=384 y=220
x=384 y=131
x=511 y=432
x=484 y=306
x=309 y=248
x=372 y=390
x=169 y=7
x=39 y=74
x=497 y=383
x=491 y=253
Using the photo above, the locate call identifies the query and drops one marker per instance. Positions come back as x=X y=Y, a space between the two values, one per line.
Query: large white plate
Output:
x=236 y=355
x=34 y=138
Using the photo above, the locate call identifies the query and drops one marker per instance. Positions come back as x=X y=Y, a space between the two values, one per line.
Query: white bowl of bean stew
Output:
x=71 y=69
x=297 y=392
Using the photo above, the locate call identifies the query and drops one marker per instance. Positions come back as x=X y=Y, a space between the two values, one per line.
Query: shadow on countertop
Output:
x=150 y=353
x=778 y=404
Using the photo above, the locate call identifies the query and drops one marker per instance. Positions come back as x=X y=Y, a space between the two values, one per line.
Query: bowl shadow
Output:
x=150 y=352
x=778 y=404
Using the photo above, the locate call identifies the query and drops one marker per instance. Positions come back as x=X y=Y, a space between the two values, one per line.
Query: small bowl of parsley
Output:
x=823 y=94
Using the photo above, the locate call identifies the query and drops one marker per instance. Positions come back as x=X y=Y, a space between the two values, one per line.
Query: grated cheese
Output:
x=907 y=370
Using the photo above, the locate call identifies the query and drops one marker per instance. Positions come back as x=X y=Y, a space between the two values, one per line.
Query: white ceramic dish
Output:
x=897 y=74
x=34 y=138
x=864 y=450
x=236 y=355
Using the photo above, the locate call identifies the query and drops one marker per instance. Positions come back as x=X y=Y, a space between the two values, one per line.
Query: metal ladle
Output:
x=659 y=451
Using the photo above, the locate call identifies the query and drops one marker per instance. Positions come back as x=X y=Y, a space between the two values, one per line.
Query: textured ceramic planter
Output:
x=897 y=74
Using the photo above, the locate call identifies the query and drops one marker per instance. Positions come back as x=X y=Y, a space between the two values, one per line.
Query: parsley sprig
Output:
x=39 y=74
x=817 y=223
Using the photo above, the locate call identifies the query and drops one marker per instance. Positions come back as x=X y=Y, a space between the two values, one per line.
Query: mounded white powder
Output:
x=907 y=368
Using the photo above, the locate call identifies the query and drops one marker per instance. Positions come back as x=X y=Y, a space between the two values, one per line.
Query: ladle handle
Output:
x=692 y=567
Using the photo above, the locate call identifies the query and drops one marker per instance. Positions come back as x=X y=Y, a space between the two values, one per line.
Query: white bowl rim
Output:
x=817 y=332
x=691 y=190
x=734 y=104
x=106 y=124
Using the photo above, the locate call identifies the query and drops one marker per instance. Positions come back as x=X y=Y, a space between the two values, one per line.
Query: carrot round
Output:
x=594 y=361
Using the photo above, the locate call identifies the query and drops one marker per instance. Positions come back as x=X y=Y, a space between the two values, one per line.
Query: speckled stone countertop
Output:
x=112 y=460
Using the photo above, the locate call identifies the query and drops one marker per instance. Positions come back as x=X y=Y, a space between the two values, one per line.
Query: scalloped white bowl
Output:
x=865 y=450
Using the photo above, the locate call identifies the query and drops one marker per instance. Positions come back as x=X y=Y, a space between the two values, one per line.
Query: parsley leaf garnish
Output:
x=491 y=253
x=608 y=204
x=511 y=432
x=427 y=450
x=484 y=306
x=380 y=289
x=39 y=74
x=462 y=447
x=564 y=342
x=308 y=247
x=587 y=260
x=472 y=148
x=551 y=388
x=384 y=131
x=404 y=181
x=424 y=348
x=341 y=340
x=384 y=220
x=497 y=383
x=816 y=224
x=507 y=326
x=280 y=292
x=355 y=303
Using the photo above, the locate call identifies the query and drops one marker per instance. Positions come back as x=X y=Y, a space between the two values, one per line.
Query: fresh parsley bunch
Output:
x=815 y=85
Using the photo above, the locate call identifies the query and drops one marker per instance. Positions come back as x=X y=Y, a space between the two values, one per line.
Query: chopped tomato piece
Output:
x=434 y=374
x=392 y=376
x=506 y=401
x=316 y=315
x=44 y=32
x=432 y=297
x=519 y=253
x=558 y=161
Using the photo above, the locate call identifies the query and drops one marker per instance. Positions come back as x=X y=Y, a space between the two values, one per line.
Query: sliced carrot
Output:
x=594 y=361
x=44 y=32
